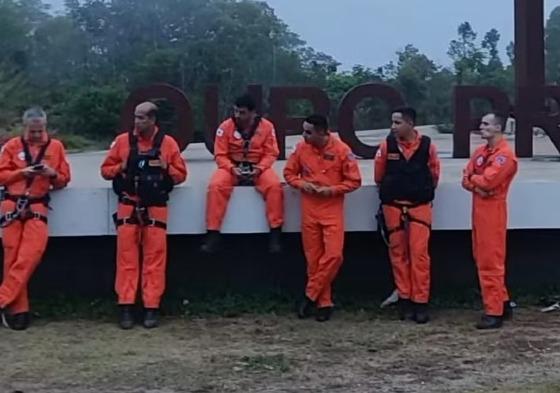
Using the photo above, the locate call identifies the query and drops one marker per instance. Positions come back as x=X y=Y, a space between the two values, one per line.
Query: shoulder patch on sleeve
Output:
x=501 y=160
x=220 y=132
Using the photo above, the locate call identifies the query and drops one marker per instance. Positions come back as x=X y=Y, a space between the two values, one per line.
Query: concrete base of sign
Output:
x=85 y=207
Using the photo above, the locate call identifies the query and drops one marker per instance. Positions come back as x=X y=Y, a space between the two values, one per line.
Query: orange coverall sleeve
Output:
x=221 y=151
x=112 y=164
x=271 y=151
x=467 y=173
x=380 y=163
x=9 y=172
x=177 y=168
x=495 y=174
x=62 y=170
x=292 y=171
x=434 y=164
x=351 y=174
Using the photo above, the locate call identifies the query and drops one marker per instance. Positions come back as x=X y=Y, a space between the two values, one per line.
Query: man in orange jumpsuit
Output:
x=488 y=176
x=30 y=166
x=324 y=169
x=245 y=149
x=144 y=165
x=407 y=171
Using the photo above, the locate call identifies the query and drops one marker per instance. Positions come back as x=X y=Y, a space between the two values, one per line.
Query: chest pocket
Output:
x=327 y=165
x=330 y=162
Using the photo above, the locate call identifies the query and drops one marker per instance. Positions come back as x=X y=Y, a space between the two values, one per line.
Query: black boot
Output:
x=212 y=242
x=489 y=322
x=324 y=314
x=421 y=312
x=275 y=241
x=19 y=321
x=508 y=311
x=406 y=311
x=305 y=308
x=126 y=319
x=151 y=319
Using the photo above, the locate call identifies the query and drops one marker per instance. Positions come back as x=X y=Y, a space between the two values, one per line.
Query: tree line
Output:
x=82 y=64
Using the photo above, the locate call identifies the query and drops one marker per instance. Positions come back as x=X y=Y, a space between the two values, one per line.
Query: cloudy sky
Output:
x=369 y=32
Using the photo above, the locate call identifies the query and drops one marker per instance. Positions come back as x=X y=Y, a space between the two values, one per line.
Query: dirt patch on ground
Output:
x=354 y=352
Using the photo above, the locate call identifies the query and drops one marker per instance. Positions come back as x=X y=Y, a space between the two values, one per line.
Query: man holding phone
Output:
x=30 y=166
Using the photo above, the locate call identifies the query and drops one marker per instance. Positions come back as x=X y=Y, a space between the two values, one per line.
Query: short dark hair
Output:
x=500 y=118
x=407 y=112
x=319 y=122
x=245 y=101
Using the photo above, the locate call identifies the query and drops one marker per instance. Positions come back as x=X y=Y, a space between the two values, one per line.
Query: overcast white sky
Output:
x=369 y=32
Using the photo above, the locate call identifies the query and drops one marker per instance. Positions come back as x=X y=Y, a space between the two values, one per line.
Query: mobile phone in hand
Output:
x=38 y=167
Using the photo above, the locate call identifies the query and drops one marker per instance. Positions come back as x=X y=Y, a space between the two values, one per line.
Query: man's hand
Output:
x=325 y=191
x=163 y=164
x=47 y=171
x=236 y=171
x=309 y=188
x=256 y=172
x=123 y=166
x=482 y=193
x=29 y=172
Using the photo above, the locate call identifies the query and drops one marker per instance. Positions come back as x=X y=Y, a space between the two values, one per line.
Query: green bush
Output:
x=93 y=112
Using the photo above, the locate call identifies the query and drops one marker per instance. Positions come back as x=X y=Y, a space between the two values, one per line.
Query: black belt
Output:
x=31 y=201
x=9 y=217
x=139 y=217
x=405 y=216
x=131 y=202
x=132 y=220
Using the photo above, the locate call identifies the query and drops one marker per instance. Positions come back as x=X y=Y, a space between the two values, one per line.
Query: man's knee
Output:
x=268 y=182
x=221 y=181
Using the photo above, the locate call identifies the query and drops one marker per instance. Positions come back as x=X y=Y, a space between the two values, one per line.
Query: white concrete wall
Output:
x=87 y=212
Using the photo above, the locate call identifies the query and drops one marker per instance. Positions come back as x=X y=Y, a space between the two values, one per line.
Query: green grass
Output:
x=265 y=363
x=232 y=305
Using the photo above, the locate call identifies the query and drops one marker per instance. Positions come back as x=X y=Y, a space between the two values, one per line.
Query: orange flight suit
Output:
x=130 y=237
x=262 y=152
x=491 y=170
x=25 y=241
x=409 y=252
x=322 y=222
